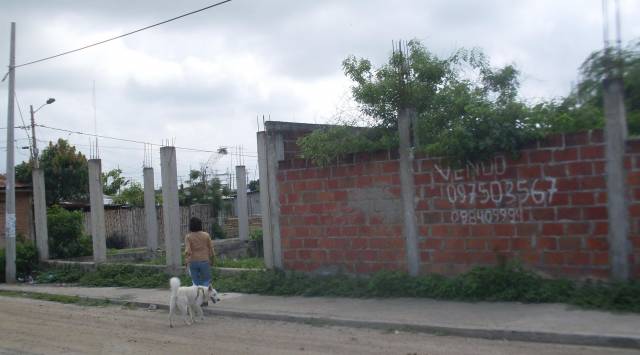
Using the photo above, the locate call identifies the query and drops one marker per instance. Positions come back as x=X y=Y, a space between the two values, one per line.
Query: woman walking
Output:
x=198 y=253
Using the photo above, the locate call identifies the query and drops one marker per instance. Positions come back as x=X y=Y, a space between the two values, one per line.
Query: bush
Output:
x=26 y=258
x=117 y=241
x=66 y=239
x=256 y=235
x=217 y=232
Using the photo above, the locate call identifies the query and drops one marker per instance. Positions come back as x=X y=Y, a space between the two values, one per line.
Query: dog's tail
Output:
x=174 y=283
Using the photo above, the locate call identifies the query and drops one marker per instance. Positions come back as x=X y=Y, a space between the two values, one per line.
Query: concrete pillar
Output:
x=617 y=204
x=265 y=203
x=150 y=217
x=170 y=208
x=241 y=202
x=40 y=213
x=97 y=211
x=408 y=192
x=275 y=152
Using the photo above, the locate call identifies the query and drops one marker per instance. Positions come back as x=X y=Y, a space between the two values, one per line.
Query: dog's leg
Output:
x=172 y=310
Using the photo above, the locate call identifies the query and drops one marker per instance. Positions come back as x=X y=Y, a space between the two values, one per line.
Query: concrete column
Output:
x=170 y=208
x=97 y=211
x=241 y=202
x=275 y=152
x=150 y=217
x=617 y=204
x=408 y=192
x=40 y=213
x=265 y=203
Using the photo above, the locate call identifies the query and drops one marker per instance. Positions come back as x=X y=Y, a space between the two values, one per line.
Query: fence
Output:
x=130 y=223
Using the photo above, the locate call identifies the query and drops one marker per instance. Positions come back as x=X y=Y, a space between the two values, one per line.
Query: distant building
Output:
x=24 y=211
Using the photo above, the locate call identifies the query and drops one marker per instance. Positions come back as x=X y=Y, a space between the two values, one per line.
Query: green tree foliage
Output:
x=200 y=189
x=466 y=110
x=583 y=107
x=65 y=172
x=254 y=185
x=66 y=239
x=113 y=181
x=133 y=195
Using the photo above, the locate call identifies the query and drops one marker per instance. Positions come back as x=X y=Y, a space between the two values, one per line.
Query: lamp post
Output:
x=39 y=195
x=33 y=130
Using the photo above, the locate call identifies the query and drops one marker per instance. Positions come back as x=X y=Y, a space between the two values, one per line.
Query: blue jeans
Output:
x=200 y=273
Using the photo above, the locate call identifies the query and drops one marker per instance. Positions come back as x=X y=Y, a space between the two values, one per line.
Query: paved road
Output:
x=39 y=327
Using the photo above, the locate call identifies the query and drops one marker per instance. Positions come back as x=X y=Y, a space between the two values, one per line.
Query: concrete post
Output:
x=241 y=203
x=97 y=211
x=408 y=192
x=150 y=217
x=617 y=204
x=265 y=203
x=170 y=208
x=40 y=213
x=275 y=152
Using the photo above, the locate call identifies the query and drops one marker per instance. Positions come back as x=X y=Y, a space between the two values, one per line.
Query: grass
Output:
x=81 y=301
x=240 y=263
x=502 y=283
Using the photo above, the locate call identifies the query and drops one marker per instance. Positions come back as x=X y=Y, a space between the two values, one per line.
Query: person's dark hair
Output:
x=195 y=224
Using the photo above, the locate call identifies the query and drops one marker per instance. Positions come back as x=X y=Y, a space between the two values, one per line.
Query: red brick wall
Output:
x=546 y=208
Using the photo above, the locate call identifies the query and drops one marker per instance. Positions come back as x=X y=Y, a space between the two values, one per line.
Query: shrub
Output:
x=26 y=258
x=217 y=232
x=66 y=239
x=256 y=235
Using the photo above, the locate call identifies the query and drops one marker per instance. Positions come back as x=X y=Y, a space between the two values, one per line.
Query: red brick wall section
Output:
x=545 y=208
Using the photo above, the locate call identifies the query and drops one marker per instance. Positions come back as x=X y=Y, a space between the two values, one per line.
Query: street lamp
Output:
x=33 y=129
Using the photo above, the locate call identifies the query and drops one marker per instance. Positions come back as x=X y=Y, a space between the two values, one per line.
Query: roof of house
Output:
x=19 y=185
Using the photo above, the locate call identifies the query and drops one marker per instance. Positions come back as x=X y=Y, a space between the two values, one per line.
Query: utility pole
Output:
x=10 y=188
x=39 y=195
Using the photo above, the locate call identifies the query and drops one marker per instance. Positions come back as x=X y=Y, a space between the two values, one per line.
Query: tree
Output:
x=113 y=181
x=254 y=185
x=200 y=189
x=133 y=195
x=65 y=172
x=466 y=110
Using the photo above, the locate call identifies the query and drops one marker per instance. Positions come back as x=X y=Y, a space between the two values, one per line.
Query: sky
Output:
x=207 y=80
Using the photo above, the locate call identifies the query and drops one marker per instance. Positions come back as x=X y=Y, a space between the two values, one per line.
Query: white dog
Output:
x=189 y=300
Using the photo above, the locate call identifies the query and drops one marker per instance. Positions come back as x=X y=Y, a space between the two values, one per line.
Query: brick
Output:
x=598 y=167
x=454 y=244
x=432 y=217
x=553 y=258
x=529 y=172
x=423 y=179
x=573 y=214
x=567 y=154
x=539 y=156
x=596 y=136
x=578 y=259
x=311 y=243
x=368 y=255
x=556 y=170
x=475 y=244
x=555 y=229
x=547 y=244
x=431 y=243
x=601 y=228
x=560 y=199
x=359 y=243
x=577 y=228
x=633 y=178
x=582 y=198
x=595 y=243
x=526 y=229
x=567 y=243
x=592 y=152
x=579 y=138
x=593 y=182
x=504 y=230
x=595 y=213
x=580 y=168
x=600 y=258
x=499 y=244
x=520 y=243
x=543 y=214
x=570 y=184
x=480 y=230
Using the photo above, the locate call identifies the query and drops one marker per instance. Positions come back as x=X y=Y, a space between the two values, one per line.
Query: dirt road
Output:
x=39 y=327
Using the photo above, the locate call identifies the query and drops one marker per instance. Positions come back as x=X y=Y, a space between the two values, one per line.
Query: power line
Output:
x=124 y=35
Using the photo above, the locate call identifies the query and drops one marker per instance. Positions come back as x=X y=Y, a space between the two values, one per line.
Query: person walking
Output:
x=199 y=253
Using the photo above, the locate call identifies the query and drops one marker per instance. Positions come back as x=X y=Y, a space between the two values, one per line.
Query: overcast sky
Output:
x=203 y=80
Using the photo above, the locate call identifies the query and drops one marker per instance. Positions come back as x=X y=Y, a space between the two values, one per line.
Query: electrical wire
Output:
x=123 y=35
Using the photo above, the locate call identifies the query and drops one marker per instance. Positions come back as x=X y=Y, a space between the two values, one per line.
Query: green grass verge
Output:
x=502 y=283
x=81 y=301
x=241 y=263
